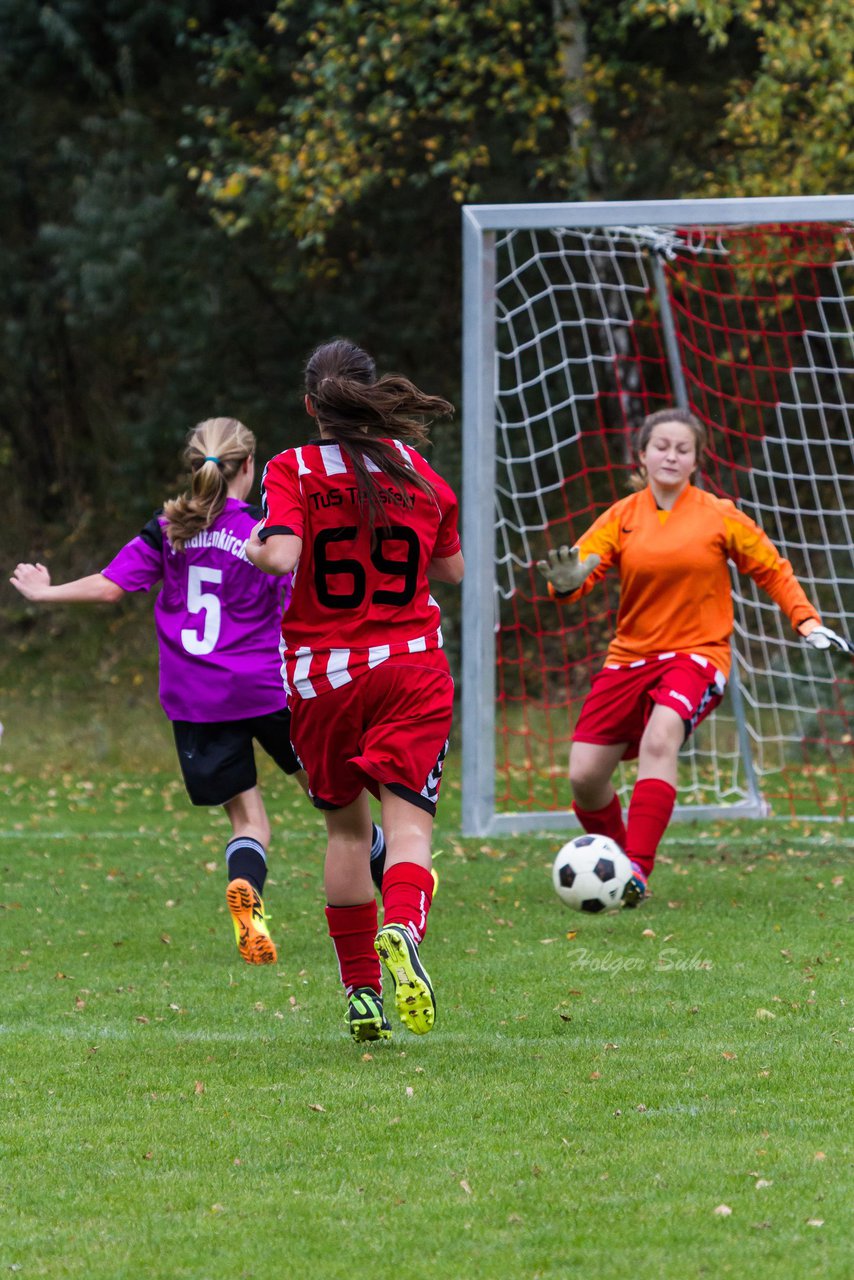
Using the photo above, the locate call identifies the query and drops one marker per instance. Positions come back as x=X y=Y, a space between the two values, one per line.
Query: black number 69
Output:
x=326 y=568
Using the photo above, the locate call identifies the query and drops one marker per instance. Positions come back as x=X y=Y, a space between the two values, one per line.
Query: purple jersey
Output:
x=218 y=618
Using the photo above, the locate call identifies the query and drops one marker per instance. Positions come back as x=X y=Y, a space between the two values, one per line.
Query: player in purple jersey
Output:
x=217 y=619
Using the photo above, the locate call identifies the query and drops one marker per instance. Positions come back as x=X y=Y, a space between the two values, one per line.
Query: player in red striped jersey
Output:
x=364 y=523
x=667 y=666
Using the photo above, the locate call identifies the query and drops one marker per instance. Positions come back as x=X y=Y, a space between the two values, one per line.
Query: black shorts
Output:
x=218 y=759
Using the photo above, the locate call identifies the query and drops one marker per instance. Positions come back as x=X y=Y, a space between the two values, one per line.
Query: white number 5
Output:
x=199 y=601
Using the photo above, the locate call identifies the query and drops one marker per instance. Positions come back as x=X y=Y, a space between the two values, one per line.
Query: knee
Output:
x=660 y=745
x=586 y=784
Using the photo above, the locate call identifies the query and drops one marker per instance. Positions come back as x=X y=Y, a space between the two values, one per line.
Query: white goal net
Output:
x=579 y=321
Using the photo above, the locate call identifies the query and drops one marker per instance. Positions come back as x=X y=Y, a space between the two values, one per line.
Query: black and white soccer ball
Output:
x=590 y=873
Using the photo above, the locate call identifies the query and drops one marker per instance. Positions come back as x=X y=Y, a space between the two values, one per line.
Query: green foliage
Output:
x=128 y=315
x=786 y=128
x=376 y=98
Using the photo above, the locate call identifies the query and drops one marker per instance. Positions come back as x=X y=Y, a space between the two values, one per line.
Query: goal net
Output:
x=579 y=320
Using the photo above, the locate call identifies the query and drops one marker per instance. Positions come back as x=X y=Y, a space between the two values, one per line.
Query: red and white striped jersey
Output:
x=358 y=595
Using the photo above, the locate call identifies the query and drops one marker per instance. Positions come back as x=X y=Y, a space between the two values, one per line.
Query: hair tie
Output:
x=211 y=458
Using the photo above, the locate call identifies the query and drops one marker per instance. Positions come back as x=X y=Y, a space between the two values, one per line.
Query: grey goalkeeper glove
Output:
x=564 y=572
x=823 y=638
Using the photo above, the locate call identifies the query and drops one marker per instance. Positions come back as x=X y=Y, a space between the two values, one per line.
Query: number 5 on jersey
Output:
x=205 y=602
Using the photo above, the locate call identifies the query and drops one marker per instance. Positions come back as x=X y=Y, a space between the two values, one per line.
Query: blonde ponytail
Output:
x=215 y=451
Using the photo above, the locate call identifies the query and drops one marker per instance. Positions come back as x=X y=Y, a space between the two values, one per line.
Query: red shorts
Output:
x=389 y=726
x=621 y=699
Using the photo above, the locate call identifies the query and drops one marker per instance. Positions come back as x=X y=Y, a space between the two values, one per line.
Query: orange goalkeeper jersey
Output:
x=675 y=593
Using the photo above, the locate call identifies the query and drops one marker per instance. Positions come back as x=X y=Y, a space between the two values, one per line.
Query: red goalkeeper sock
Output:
x=650 y=810
x=603 y=822
x=407 y=895
x=352 y=930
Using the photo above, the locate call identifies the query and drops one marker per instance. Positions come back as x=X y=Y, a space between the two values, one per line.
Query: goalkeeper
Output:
x=667 y=666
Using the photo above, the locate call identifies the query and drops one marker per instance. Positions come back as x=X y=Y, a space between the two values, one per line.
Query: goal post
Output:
x=578 y=320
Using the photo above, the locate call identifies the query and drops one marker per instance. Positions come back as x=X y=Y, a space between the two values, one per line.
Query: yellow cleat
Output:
x=413 y=991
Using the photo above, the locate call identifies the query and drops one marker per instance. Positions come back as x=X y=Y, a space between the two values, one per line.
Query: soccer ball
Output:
x=590 y=873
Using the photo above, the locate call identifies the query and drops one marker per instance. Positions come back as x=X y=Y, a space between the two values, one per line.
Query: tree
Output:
x=128 y=314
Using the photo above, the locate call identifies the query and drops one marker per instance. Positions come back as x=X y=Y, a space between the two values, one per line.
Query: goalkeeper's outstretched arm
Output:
x=564 y=571
x=818 y=636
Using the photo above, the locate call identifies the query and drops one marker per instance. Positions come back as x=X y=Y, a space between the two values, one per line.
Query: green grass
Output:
x=594 y=1088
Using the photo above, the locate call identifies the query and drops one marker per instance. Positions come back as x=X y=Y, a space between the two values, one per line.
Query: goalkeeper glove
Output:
x=564 y=572
x=822 y=638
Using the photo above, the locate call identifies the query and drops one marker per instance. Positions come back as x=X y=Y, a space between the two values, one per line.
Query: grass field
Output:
x=594 y=1093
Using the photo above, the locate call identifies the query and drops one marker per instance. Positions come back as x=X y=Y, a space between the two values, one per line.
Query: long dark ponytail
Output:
x=360 y=412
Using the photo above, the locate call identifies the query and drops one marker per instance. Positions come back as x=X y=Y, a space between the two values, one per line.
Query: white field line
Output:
x=78 y=835
x=826 y=840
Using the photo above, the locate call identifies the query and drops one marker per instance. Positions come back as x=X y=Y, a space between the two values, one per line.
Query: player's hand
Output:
x=253 y=542
x=820 y=637
x=563 y=570
x=32 y=580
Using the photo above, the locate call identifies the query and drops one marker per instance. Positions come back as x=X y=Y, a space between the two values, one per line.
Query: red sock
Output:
x=407 y=894
x=650 y=809
x=603 y=822
x=352 y=930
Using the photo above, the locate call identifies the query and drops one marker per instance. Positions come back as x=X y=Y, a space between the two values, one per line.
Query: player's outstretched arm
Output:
x=821 y=637
x=563 y=570
x=33 y=582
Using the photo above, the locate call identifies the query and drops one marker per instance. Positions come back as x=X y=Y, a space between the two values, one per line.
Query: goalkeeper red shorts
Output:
x=621 y=699
x=390 y=725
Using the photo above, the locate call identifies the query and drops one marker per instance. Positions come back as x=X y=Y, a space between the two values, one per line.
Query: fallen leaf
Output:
x=410 y=1092
x=815 y=1222
x=765 y=1014
x=465 y=1186
x=819 y=1155
x=723 y=1210
x=648 y=933
x=761 y=1183
x=199 y=1087
x=729 y=1056
x=315 y=1106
